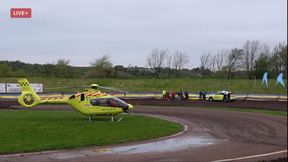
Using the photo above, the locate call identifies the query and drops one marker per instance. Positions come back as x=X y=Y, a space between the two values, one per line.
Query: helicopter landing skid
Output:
x=112 y=118
x=120 y=119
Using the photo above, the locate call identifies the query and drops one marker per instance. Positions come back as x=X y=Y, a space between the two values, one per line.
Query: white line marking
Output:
x=252 y=156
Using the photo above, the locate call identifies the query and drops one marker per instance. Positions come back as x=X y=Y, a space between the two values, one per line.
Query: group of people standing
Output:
x=202 y=95
x=171 y=95
x=181 y=95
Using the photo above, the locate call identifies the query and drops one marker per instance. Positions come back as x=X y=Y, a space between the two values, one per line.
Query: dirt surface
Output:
x=244 y=136
x=262 y=105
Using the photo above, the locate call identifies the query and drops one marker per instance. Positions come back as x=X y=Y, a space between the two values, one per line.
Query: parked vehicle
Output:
x=226 y=96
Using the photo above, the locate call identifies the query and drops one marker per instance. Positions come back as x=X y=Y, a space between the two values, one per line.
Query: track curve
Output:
x=241 y=136
x=245 y=133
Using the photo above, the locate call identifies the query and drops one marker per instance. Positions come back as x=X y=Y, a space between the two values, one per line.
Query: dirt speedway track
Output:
x=261 y=105
x=236 y=136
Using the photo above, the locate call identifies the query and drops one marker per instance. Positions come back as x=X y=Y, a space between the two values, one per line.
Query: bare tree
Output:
x=63 y=62
x=180 y=60
x=62 y=68
x=219 y=59
x=279 y=58
x=264 y=49
x=102 y=67
x=156 y=60
x=250 y=52
x=205 y=60
x=233 y=61
x=169 y=64
x=102 y=62
x=262 y=63
x=212 y=62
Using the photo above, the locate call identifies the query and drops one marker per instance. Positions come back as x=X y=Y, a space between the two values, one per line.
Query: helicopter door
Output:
x=82 y=97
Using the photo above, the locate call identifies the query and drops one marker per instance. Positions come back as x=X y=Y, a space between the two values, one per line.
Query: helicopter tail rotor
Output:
x=28 y=97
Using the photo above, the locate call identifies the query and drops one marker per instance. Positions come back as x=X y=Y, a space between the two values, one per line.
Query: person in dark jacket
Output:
x=186 y=95
x=181 y=95
x=204 y=95
x=200 y=95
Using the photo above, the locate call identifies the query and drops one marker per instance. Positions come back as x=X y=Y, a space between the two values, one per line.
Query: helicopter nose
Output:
x=130 y=107
x=127 y=108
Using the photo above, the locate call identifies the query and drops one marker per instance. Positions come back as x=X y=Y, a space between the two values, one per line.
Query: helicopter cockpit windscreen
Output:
x=112 y=102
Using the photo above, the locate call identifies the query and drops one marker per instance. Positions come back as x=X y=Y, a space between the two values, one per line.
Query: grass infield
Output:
x=26 y=131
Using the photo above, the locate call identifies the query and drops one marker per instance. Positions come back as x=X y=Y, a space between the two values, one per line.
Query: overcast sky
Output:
x=128 y=30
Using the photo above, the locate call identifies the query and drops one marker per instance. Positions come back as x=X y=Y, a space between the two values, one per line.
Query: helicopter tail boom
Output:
x=28 y=97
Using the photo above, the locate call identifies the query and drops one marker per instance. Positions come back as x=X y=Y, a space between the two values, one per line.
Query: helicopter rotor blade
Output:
x=113 y=89
x=67 y=87
x=73 y=87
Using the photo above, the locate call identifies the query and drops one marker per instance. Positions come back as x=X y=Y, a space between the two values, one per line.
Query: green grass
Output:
x=25 y=131
x=269 y=112
x=140 y=85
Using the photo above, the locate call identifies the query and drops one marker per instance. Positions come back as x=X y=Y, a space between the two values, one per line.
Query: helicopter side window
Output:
x=112 y=102
x=95 y=102
x=82 y=97
x=98 y=102
x=116 y=102
x=72 y=97
x=121 y=103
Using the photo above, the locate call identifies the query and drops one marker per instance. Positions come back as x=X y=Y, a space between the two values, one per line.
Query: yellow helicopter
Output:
x=90 y=102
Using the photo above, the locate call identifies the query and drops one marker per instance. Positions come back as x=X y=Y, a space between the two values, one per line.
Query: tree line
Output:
x=249 y=61
x=100 y=68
